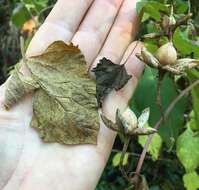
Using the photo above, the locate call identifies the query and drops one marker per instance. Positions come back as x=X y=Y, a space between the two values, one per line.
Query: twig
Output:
x=157 y=126
x=126 y=144
x=182 y=21
x=161 y=75
x=133 y=154
x=189 y=6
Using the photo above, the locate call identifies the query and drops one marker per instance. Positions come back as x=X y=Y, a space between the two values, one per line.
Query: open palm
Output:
x=101 y=28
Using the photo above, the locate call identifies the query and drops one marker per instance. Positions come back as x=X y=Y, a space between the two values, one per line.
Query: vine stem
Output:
x=158 y=95
x=157 y=126
x=124 y=150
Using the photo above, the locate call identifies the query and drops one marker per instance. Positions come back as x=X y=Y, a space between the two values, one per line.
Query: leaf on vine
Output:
x=117 y=158
x=193 y=75
x=64 y=105
x=142 y=99
x=155 y=145
x=184 y=45
x=109 y=76
x=187 y=150
x=191 y=181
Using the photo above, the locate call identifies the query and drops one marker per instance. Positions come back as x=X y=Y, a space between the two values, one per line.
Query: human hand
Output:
x=101 y=28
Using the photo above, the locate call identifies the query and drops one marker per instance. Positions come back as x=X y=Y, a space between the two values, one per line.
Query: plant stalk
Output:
x=157 y=126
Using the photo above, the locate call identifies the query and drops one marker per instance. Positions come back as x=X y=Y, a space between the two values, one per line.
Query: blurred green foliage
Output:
x=172 y=162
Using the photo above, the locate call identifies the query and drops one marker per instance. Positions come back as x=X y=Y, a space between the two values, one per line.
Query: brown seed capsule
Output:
x=172 y=20
x=167 y=54
x=144 y=131
x=148 y=58
x=129 y=121
x=186 y=63
x=168 y=21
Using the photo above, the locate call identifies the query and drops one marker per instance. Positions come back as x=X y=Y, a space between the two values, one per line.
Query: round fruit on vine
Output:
x=129 y=121
x=167 y=54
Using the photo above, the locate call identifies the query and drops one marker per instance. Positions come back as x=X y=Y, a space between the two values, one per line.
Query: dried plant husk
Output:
x=148 y=58
x=128 y=124
x=129 y=120
x=64 y=100
x=186 y=63
x=168 y=21
x=109 y=76
x=18 y=86
x=182 y=65
x=167 y=54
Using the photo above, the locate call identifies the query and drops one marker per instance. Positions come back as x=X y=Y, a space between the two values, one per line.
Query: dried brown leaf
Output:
x=64 y=105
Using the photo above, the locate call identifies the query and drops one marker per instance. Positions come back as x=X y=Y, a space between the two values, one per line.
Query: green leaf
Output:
x=191 y=181
x=109 y=76
x=152 y=8
x=154 y=188
x=154 y=147
x=117 y=157
x=20 y=15
x=181 y=7
x=145 y=96
x=193 y=75
x=38 y=5
x=64 y=103
x=184 y=45
x=151 y=47
x=187 y=150
x=192 y=124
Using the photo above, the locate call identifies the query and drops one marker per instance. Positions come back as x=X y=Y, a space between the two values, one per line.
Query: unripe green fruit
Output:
x=167 y=54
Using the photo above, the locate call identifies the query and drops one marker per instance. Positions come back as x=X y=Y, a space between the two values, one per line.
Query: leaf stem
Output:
x=189 y=6
x=158 y=95
x=124 y=150
x=157 y=126
x=133 y=154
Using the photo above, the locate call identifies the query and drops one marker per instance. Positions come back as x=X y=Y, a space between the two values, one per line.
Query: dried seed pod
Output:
x=144 y=131
x=172 y=20
x=153 y=35
x=168 y=21
x=167 y=54
x=109 y=123
x=171 y=69
x=186 y=63
x=148 y=58
x=129 y=121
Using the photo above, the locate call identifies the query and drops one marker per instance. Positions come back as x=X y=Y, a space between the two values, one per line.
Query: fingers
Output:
x=61 y=24
x=119 y=99
x=96 y=26
x=121 y=34
x=133 y=65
